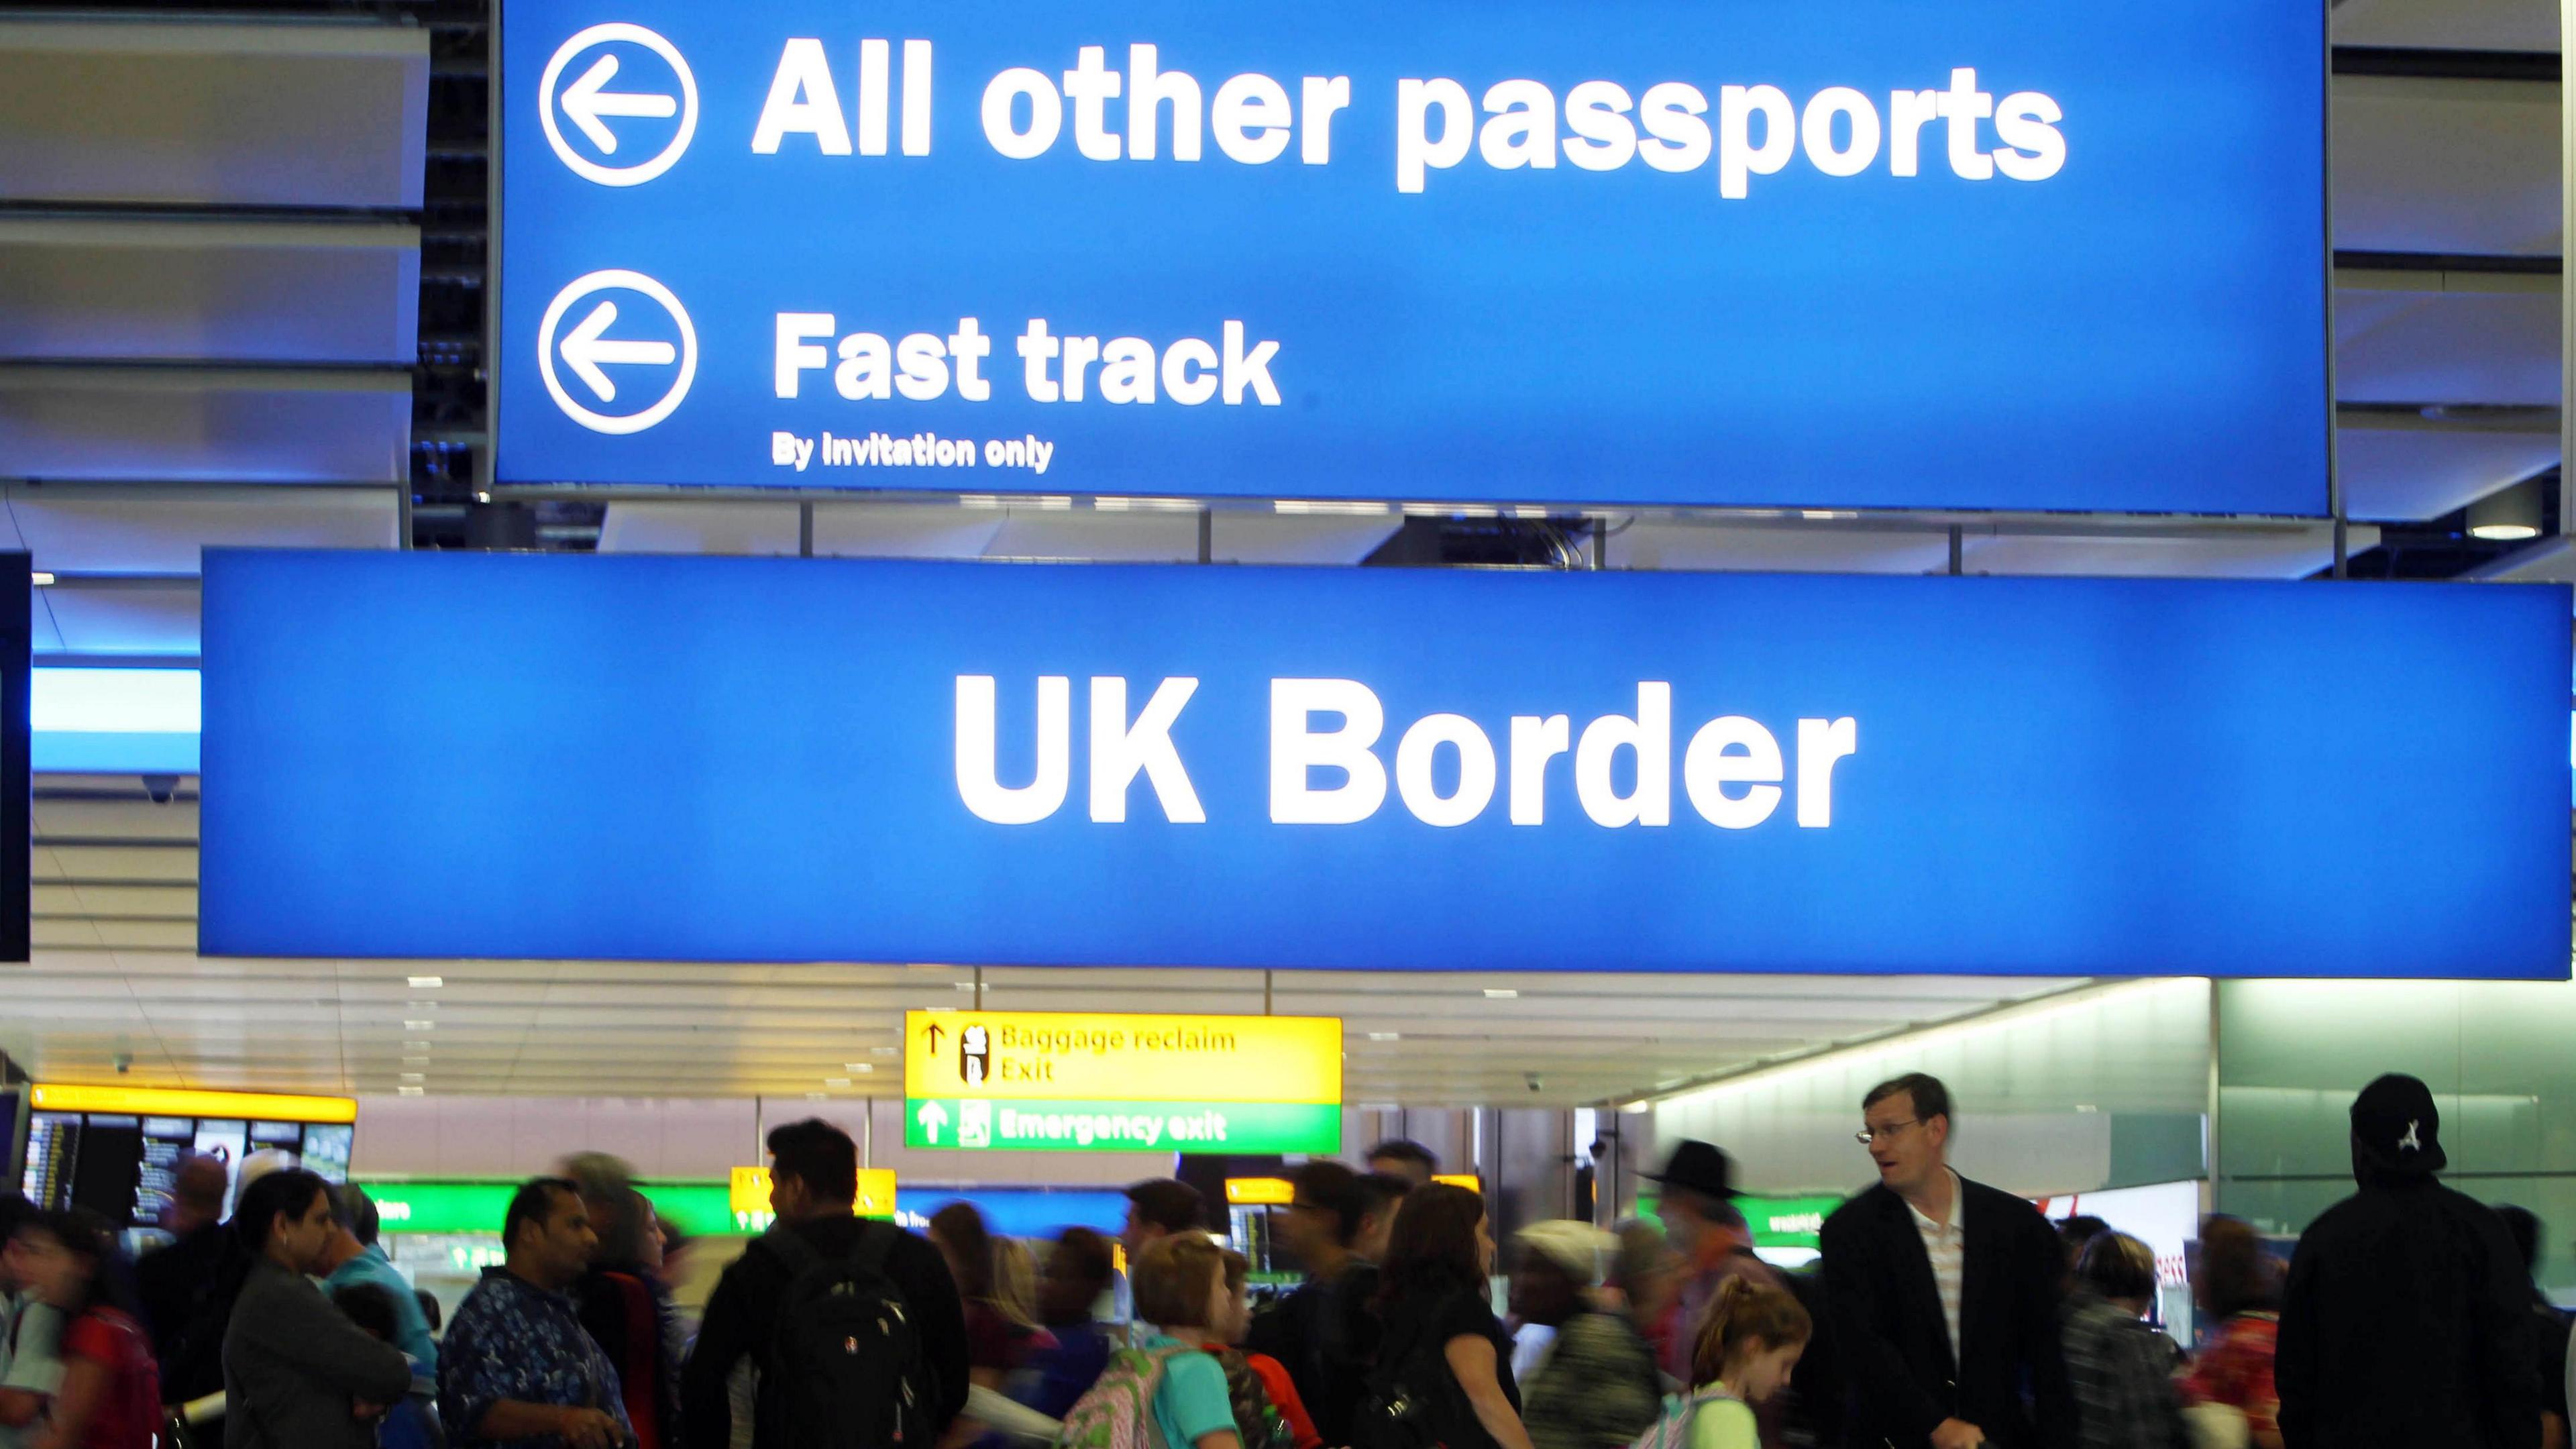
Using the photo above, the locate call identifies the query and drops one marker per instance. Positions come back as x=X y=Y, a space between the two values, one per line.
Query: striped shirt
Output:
x=1946 y=1244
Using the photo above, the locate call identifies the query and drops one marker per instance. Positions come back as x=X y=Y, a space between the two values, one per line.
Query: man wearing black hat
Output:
x=2406 y=1319
x=1943 y=1293
x=1708 y=1231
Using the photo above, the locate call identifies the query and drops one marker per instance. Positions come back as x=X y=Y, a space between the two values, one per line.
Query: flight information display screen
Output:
x=123 y=1165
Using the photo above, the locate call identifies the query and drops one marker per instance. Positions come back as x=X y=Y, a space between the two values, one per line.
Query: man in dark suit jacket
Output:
x=1942 y=1294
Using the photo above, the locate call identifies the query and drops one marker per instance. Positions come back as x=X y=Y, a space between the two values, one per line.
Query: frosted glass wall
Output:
x=2499 y=1056
x=2108 y=1087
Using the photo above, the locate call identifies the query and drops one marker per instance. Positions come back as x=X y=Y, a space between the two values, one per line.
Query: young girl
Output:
x=1752 y=1338
x=111 y=1393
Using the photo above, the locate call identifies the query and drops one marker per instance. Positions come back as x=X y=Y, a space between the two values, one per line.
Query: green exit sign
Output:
x=1239 y=1128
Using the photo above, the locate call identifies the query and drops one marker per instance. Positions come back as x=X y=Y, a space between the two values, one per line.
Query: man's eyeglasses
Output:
x=1868 y=1135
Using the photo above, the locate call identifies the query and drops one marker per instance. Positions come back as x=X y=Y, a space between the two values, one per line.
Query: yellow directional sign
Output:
x=168 y=1102
x=748 y=1192
x=1259 y=1191
x=1111 y=1057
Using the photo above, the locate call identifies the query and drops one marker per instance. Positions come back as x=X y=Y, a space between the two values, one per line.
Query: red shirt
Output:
x=1283 y=1397
x=2236 y=1370
x=127 y=1414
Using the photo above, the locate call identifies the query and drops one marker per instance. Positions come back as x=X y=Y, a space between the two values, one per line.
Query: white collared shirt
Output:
x=1946 y=1244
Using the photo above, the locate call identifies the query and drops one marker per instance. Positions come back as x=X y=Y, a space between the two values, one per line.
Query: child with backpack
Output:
x=110 y=1397
x=1752 y=1337
x=1168 y=1391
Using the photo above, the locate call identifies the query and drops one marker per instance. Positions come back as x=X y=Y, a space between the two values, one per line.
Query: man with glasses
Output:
x=1943 y=1293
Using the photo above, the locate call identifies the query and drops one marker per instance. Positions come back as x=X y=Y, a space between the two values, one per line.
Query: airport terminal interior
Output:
x=1112 y=593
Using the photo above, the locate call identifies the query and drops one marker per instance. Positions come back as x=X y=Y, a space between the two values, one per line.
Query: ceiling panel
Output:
x=213 y=113
x=2398 y=470
x=699 y=527
x=209 y=289
x=2448 y=24
x=2460 y=166
x=105 y=529
x=2250 y=553
x=205 y=425
x=2496 y=348
x=147 y=617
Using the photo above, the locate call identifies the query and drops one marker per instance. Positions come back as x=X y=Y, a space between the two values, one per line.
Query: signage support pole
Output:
x=2566 y=300
x=1207 y=535
x=1958 y=543
x=805 y=529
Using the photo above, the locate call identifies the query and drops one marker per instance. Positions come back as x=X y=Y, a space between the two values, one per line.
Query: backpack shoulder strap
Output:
x=876 y=1244
x=791 y=1250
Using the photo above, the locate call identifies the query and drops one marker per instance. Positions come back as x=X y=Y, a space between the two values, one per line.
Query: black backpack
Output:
x=844 y=1368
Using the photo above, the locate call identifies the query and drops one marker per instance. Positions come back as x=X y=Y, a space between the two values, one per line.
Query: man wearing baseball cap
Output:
x=2406 y=1319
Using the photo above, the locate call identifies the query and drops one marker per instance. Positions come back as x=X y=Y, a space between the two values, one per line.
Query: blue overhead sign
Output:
x=1826 y=254
x=414 y=755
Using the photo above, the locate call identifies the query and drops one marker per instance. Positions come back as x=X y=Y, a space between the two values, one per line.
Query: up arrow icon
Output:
x=932 y=1118
x=586 y=101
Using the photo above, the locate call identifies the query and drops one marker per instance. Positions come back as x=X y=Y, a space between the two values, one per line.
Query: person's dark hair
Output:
x=1930 y=1098
x=2116 y=1265
x=358 y=1214
x=819 y=1155
x=288 y=1190
x=1433 y=1248
x=15 y=1212
x=532 y=1205
x=1335 y=1189
x=2523 y=1226
x=1404 y=1149
x=428 y=1307
x=369 y=1307
x=1091 y=1257
x=1382 y=1192
x=1169 y=1204
x=970 y=1245
x=2236 y=1276
x=2078 y=1233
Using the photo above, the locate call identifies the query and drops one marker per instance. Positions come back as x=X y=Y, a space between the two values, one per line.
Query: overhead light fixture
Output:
x=1640 y=1105
x=427 y=983
x=1386 y=1036
x=412 y=1091
x=1501 y=993
x=836 y=1081
x=415 y=1046
x=41 y=579
x=883 y=1051
x=420 y=1026
x=422 y=1005
x=415 y=1061
x=2508 y=515
x=414 y=1077
x=860 y=1067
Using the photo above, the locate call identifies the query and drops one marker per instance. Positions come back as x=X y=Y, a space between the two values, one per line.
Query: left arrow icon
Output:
x=586 y=350
x=585 y=101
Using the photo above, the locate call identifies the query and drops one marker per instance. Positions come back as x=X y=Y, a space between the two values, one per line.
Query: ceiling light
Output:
x=41 y=579
x=2508 y=515
x=422 y=1005
x=836 y=1081
x=415 y=1061
x=1386 y=1036
x=1640 y=1105
x=415 y=1046
x=427 y=983
x=965 y=985
x=420 y=1026
x=818 y=1096
x=883 y=1051
x=861 y=1067
x=411 y=1091
x=1501 y=993
x=414 y=1077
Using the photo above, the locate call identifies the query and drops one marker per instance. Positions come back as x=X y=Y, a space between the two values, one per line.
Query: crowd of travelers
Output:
x=1941 y=1314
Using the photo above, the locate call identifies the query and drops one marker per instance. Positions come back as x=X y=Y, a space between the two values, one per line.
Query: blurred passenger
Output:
x=1595 y=1385
x=780 y=1306
x=1709 y=1232
x=1747 y=1349
x=430 y=1312
x=30 y=1331
x=517 y=1366
x=188 y=1288
x=1079 y=1272
x=1267 y=1408
x=2238 y=1290
x=623 y=1302
x=2548 y=1327
x=1325 y=1331
x=356 y=1258
x=1443 y=1373
x=1159 y=1207
x=1906 y=1261
x=2077 y=1233
x=110 y=1394
x=1647 y=1278
x=2120 y=1369
x=1015 y=1281
x=1178 y=1279
x=2407 y=1319
x=1381 y=1198
x=297 y=1373
x=1404 y=1158
x=995 y=1340
x=412 y=1423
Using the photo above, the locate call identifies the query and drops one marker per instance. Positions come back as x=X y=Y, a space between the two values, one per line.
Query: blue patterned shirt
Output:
x=513 y=1340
